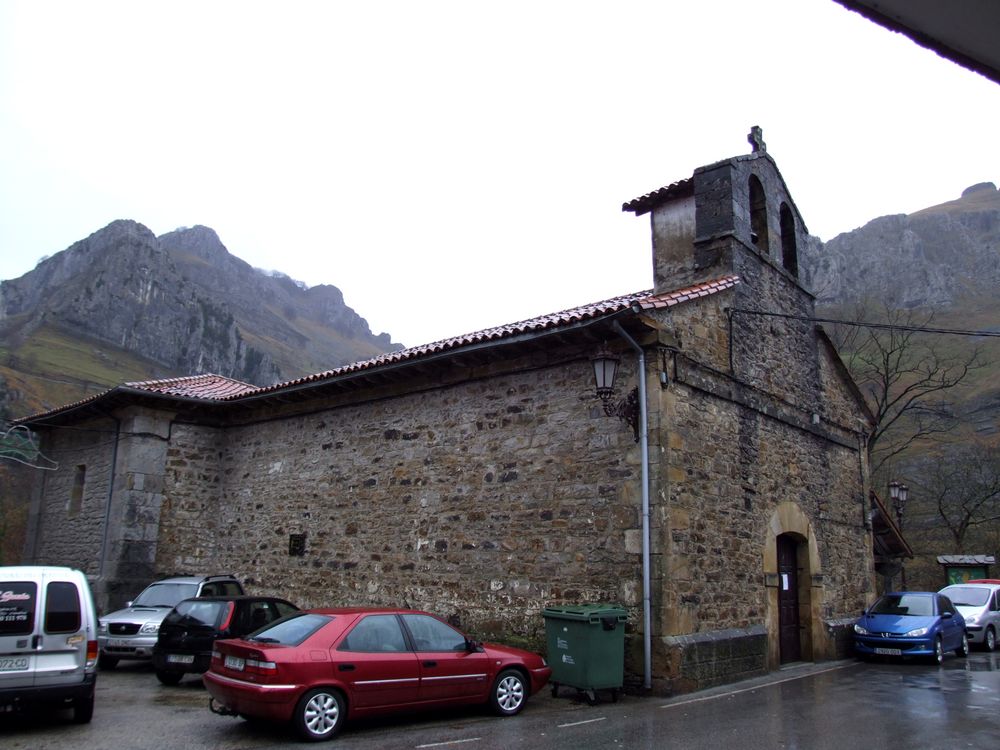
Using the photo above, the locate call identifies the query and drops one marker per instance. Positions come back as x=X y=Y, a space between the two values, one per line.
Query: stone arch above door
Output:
x=788 y=519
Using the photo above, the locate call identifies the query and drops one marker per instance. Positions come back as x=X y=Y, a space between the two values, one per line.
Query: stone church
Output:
x=717 y=488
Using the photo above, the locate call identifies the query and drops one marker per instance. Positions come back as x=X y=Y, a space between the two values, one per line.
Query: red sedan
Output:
x=318 y=668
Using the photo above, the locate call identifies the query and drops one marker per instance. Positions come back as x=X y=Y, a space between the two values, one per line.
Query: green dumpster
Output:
x=586 y=647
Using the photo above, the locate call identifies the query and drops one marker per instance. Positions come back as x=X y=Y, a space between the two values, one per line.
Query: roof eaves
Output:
x=488 y=339
x=676 y=297
x=204 y=389
x=890 y=524
x=646 y=203
x=67 y=408
x=167 y=389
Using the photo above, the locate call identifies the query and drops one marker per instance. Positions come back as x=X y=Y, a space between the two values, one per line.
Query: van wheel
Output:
x=169 y=678
x=83 y=709
x=107 y=662
x=990 y=639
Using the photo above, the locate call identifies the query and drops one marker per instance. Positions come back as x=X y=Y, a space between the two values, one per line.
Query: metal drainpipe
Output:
x=647 y=642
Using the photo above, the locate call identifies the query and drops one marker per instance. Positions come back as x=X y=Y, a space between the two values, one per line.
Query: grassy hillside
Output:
x=54 y=366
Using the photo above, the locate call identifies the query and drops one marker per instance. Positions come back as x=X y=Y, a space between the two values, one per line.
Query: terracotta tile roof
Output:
x=206 y=386
x=669 y=299
x=638 y=301
x=680 y=189
x=210 y=387
x=532 y=325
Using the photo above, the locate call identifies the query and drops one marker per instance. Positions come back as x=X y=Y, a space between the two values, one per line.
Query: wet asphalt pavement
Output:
x=882 y=706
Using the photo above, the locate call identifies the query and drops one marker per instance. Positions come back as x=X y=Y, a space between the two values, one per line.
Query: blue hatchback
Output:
x=911 y=623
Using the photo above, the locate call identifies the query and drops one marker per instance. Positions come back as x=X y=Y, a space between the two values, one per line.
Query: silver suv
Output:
x=130 y=633
x=979 y=603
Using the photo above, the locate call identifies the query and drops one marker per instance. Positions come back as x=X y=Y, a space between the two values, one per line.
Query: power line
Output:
x=879 y=326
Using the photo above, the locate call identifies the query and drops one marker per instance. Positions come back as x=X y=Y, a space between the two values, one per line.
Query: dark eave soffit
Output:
x=967 y=32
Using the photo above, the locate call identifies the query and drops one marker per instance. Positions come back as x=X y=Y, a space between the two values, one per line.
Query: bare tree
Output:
x=961 y=489
x=905 y=373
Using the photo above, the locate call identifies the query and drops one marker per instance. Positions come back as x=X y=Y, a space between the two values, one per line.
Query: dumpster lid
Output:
x=586 y=612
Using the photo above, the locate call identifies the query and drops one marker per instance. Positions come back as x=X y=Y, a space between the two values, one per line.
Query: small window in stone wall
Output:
x=76 y=493
x=789 y=251
x=758 y=215
x=296 y=545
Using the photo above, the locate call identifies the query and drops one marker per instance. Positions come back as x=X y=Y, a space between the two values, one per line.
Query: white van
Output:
x=48 y=639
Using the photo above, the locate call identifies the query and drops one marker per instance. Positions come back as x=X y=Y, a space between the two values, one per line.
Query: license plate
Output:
x=13 y=663
x=889 y=651
x=118 y=643
x=180 y=658
x=234 y=662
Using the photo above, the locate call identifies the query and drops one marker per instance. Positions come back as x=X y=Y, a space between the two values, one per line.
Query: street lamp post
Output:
x=899 y=494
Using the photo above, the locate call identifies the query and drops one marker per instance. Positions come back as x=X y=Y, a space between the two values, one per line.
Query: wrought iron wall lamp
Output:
x=627 y=410
x=899 y=494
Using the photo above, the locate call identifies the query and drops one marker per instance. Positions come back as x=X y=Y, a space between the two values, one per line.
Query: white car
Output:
x=131 y=633
x=979 y=604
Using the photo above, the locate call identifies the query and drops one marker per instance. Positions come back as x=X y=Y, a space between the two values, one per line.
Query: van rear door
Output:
x=18 y=615
x=61 y=640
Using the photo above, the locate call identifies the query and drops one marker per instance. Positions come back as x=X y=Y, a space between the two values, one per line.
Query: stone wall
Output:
x=133 y=521
x=192 y=502
x=484 y=501
x=781 y=427
x=702 y=660
x=61 y=532
x=729 y=469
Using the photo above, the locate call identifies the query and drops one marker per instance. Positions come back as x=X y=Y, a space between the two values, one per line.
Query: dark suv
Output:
x=188 y=633
x=130 y=633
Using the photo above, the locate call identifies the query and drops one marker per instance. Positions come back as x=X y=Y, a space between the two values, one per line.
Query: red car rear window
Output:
x=292 y=630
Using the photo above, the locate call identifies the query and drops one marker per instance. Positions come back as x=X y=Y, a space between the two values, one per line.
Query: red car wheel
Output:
x=319 y=715
x=509 y=693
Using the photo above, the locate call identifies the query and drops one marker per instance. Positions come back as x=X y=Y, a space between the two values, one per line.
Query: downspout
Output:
x=647 y=642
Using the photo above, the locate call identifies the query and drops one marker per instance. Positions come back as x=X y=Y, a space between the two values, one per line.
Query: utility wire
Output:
x=880 y=326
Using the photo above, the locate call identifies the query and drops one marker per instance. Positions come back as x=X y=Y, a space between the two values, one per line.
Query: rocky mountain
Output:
x=131 y=305
x=940 y=258
x=942 y=261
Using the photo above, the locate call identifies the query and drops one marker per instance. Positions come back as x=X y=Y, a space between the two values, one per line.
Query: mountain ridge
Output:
x=934 y=258
x=942 y=265
x=181 y=303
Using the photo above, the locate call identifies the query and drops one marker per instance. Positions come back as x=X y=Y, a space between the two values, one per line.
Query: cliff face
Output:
x=940 y=257
x=184 y=302
x=942 y=261
x=302 y=330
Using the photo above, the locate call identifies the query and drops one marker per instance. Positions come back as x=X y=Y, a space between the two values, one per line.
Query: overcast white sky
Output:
x=452 y=166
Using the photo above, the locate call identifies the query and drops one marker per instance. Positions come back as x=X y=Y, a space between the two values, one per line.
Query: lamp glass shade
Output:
x=605 y=367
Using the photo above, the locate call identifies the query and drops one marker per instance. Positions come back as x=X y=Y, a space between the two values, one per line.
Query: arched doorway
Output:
x=789 y=622
x=793 y=577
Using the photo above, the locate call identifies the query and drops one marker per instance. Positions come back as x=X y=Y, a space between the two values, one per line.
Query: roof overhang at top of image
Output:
x=963 y=31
